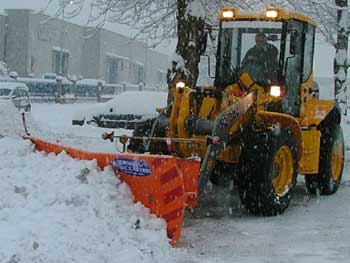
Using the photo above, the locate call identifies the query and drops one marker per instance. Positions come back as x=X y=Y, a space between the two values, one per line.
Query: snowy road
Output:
x=315 y=229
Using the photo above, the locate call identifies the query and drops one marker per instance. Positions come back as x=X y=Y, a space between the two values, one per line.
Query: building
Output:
x=33 y=43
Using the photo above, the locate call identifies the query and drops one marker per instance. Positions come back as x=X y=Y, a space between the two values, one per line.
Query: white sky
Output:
x=323 y=56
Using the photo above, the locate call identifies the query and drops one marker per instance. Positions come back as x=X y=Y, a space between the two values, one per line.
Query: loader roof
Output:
x=278 y=14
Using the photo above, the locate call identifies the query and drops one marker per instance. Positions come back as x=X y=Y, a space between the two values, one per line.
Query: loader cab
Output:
x=286 y=60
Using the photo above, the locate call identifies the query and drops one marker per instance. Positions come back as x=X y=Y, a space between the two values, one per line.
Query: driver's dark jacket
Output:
x=261 y=63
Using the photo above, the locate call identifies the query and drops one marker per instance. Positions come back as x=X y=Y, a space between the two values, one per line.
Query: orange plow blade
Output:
x=164 y=184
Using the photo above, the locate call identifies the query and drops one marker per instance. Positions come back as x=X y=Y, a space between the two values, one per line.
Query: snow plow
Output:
x=259 y=125
x=164 y=184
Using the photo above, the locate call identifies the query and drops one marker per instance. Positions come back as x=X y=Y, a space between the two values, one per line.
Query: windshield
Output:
x=249 y=46
x=5 y=92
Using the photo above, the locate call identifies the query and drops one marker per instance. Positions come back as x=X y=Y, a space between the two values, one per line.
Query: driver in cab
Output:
x=260 y=62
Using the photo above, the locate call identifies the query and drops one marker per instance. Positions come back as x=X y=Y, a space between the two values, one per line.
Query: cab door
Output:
x=292 y=70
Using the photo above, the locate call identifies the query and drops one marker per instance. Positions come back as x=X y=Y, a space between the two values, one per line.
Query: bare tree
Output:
x=341 y=57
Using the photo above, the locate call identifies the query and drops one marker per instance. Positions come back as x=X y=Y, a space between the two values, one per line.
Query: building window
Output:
x=137 y=74
x=114 y=68
x=60 y=62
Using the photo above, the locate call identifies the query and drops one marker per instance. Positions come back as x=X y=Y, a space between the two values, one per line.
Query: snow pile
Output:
x=11 y=120
x=57 y=209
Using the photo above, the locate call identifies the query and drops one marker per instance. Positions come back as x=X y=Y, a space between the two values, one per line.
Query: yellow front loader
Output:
x=262 y=131
x=259 y=129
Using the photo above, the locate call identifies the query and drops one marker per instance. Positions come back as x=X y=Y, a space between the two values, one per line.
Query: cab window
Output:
x=308 y=50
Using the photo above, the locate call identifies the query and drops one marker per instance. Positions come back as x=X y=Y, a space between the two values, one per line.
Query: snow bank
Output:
x=57 y=209
x=11 y=120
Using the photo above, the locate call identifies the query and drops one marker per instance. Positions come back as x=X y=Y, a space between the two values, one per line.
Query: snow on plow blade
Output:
x=164 y=184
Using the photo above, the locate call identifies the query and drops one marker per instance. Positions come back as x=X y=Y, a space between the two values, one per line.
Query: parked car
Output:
x=124 y=111
x=17 y=92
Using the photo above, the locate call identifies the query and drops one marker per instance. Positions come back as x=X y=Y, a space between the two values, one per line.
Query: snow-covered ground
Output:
x=56 y=209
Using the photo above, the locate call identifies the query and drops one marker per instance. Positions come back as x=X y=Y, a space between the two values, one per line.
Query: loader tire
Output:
x=331 y=162
x=268 y=172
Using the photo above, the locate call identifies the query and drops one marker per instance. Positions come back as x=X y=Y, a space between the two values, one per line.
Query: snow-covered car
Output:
x=124 y=111
x=17 y=92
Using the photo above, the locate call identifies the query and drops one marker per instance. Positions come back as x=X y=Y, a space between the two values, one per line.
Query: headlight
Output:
x=271 y=13
x=180 y=84
x=275 y=91
x=228 y=14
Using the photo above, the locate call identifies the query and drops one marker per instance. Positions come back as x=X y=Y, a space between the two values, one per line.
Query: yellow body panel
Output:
x=266 y=118
x=306 y=93
x=315 y=111
x=175 y=113
x=184 y=111
x=312 y=111
x=311 y=151
x=207 y=107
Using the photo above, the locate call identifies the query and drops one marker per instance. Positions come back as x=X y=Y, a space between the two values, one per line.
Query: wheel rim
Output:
x=282 y=170
x=337 y=159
